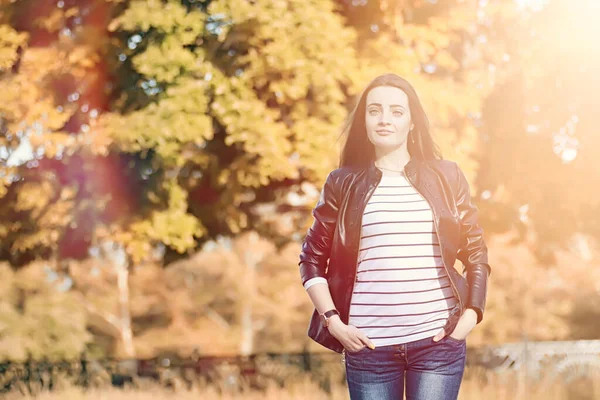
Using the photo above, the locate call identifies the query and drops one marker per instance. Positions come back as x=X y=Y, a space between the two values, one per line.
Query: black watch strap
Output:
x=331 y=312
x=328 y=314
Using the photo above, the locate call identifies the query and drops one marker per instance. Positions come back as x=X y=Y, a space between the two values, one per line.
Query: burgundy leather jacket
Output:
x=330 y=247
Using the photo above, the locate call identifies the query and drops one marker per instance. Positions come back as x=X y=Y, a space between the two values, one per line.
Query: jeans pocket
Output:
x=355 y=352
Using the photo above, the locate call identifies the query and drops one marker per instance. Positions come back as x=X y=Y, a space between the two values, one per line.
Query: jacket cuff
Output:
x=477 y=278
x=310 y=271
x=478 y=311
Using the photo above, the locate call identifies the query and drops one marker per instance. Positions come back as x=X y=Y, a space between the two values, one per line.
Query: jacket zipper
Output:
x=440 y=241
x=364 y=205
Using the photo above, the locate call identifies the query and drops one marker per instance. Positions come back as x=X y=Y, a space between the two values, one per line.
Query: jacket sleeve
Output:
x=316 y=246
x=473 y=250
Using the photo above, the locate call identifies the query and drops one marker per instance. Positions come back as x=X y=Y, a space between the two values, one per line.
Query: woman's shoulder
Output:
x=445 y=164
x=447 y=167
x=342 y=178
x=450 y=170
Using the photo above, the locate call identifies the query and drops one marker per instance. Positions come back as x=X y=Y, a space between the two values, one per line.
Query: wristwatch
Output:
x=327 y=315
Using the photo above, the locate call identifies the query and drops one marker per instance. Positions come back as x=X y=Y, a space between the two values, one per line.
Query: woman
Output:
x=378 y=260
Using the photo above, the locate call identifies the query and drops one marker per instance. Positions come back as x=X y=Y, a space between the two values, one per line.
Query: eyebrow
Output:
x=393 y=105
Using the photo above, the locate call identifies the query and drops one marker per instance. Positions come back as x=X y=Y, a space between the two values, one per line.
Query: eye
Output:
x=398 y=113
x=373 y=111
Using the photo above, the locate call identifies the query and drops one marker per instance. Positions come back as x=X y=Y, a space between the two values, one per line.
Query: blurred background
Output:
x=159 y=160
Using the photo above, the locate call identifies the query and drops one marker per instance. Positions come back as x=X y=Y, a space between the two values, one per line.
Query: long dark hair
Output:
x=358 y=151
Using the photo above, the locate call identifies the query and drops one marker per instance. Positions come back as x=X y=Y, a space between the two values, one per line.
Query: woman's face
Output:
x=387 y=117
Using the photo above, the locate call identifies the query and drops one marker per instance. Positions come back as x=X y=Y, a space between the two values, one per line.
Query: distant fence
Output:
x=563 y=359
x=253 y=371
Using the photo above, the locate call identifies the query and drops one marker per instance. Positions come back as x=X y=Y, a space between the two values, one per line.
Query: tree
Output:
x=246 y=102
x=226 y=115
x=49 y=76
x=148 y=132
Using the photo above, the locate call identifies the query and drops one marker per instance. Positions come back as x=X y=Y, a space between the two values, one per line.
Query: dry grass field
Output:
x=477 y=385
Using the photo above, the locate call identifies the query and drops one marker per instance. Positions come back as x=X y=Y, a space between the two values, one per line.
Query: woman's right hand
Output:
x=349 y=336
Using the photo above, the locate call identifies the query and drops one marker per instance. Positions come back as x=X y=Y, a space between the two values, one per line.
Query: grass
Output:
x=477 y=385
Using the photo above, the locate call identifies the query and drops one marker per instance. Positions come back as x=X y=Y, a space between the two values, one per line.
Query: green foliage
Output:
x=237 y=95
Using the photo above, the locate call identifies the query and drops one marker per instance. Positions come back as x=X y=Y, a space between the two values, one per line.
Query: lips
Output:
x=383 y=132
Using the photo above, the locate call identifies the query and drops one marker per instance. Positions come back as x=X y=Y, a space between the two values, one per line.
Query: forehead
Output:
x=387 y=95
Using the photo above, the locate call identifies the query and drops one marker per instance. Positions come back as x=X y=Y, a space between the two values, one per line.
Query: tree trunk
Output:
x=116 y=255
x=122 y=271
x=251 y=259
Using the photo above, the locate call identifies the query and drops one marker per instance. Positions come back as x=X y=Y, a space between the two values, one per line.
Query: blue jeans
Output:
x=431 y=370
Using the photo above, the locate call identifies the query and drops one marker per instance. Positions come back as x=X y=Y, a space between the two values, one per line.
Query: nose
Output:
x=384 y=119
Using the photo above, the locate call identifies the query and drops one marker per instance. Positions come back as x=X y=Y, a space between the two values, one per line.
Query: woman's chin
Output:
x=387 y=142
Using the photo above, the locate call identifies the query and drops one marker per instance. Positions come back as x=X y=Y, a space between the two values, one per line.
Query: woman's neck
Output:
x=392 y=162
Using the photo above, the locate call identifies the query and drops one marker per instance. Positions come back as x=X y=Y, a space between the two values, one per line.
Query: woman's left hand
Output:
x=464 y=326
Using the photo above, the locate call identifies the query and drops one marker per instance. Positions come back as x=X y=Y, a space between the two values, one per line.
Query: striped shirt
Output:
x=402 y=292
